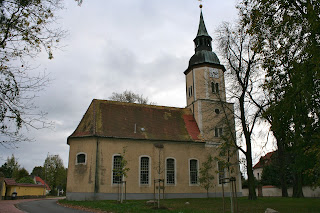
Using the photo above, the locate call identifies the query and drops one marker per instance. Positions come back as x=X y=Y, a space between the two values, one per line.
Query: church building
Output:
x=158 y=142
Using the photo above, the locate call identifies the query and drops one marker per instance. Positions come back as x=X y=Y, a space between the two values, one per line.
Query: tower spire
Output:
x=203 y=39
x=202 y=30
x=203 y=47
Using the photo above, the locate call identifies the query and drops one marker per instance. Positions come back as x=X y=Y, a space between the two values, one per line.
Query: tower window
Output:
x=214 y=87
x=190 y=91
x=218 y=132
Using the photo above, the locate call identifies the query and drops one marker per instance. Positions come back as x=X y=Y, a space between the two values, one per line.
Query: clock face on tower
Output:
x=213 y=73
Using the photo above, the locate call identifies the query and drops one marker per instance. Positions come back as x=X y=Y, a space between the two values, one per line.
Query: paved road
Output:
x=47 y=205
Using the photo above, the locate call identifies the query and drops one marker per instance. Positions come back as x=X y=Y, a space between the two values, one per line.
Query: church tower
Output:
x=205 y=86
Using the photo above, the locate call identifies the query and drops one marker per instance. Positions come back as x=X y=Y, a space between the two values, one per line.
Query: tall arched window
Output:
x=116 y=171
x=193 y=171
x=144 y=170
x=170 y=172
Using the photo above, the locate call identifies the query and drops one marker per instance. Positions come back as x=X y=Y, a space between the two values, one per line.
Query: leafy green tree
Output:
x=26 y=180
x=206 y=174
x=270 y=176
x=20 y=173
x=10 y=167
x=7 y=171
x=55 y=173
x=38 y=171
x=25 y=30
x=287 y=34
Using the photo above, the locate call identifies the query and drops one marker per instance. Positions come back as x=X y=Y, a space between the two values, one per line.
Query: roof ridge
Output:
x=140 y=105
x=94 y=117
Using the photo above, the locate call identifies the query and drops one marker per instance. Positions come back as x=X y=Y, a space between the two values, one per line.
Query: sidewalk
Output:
x=7 y=206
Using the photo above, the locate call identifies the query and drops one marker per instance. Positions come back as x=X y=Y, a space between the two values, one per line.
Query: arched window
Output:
x=170 y=173
x=116 y=171
x=81 y=158
x=144 y=170
x=193 y=171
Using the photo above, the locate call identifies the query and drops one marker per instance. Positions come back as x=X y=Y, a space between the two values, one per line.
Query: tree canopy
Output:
x=26 y=179
x=38 y=171
x=10 y=167
x=130 y=97
x=288 y=38
x=55 y=173
x=25 y=30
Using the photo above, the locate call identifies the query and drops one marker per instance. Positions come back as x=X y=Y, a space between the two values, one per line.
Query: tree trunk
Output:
x=284 y=188
x=251 y=183
x=282 y=168
x=248 y=153
x=297 y=185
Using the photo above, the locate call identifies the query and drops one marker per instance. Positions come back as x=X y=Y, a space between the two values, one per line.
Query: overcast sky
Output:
x=139 y=45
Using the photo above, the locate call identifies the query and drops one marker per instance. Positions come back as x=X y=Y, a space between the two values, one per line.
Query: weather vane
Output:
x=200 y=3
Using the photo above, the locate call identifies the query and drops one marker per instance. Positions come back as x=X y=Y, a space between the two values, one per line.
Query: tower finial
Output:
x=200 y=4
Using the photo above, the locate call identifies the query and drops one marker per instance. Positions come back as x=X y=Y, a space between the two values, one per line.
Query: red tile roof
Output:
x=137 y=121
x=38 y=179
x=265 y=160
x=12 y=182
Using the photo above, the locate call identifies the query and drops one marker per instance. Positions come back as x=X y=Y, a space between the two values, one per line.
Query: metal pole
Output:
x=121 y=195
x=118 y=192
x=231 y=195
x=224 y=208
x=235 y=189
x=154 y=192
x=125 y=191
x=163 y=190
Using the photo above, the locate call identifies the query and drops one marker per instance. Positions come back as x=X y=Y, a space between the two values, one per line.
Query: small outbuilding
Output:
x=13 y=190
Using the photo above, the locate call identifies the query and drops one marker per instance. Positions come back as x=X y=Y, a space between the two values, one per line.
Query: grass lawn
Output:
x=283 y=205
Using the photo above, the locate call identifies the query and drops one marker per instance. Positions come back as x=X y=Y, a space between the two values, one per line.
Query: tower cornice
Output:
x=205 y=64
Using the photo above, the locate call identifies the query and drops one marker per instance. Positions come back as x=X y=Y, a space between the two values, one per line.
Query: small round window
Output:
x=217 y=111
